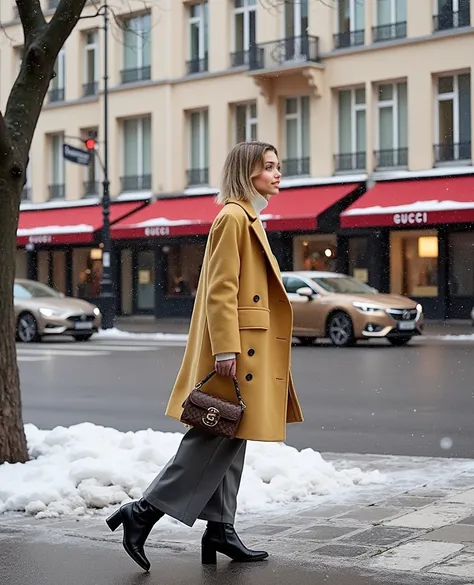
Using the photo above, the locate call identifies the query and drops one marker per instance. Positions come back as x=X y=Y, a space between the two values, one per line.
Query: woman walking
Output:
x=242 y=327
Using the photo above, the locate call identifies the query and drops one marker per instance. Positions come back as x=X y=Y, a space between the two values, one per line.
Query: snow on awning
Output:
x=67 y=225
x=413 y=203
x=290 y=210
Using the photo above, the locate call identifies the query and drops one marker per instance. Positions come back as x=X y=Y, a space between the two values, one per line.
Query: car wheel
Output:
x=306 y=341
x=340 y=329
x=85 y=337
x=27 y=328
x=399 y=341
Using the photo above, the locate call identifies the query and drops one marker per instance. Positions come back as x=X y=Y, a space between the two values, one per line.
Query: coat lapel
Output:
x=261 y=235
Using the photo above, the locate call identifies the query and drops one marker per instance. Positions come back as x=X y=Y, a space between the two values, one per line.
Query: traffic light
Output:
x=90 y=143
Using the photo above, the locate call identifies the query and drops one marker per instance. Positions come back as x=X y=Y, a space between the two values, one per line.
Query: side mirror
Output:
x=305 y=291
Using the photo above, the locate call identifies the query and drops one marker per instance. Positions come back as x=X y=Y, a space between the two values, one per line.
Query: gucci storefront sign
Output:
x=415 y=218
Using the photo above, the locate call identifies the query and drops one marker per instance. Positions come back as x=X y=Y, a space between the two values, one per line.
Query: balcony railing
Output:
x=91 y=188
x=56 y=95
x=355 y=161
x=284 y=52
x=136 y=183
x=197 y=65
x=26 y=194
x=57 y=191
x=295 y=167
x=90 y=88
x=352 y=38
x=460 y=151
x=449 y=20
x=397 y=157
x=197 y=177
x=389 y=32
x=136 y=74
x=239 y=58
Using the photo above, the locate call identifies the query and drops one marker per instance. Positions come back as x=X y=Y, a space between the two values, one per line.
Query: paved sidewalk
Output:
x=418 y=528
x=180 y=325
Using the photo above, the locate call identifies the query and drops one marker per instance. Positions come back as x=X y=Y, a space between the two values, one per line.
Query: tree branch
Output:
x=64 y=20
x=31 y=16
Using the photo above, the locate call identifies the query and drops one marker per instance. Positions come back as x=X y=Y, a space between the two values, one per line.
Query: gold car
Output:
x=343 y=309
x=40 y=311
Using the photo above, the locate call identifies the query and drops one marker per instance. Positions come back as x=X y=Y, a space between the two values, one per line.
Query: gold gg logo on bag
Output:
x=212 y=417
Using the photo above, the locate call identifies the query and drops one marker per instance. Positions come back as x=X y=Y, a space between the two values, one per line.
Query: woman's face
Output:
x=267 y=183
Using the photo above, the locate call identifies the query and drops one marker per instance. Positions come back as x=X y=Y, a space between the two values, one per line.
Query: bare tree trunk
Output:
x=12 y=437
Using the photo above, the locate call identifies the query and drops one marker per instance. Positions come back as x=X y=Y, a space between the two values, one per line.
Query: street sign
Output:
x=76 y=155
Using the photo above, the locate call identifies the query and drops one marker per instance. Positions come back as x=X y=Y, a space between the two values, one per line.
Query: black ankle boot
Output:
x=222 y=538
x=138 y=518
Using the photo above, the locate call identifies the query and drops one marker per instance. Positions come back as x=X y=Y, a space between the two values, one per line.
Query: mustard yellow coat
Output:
x=241 y=307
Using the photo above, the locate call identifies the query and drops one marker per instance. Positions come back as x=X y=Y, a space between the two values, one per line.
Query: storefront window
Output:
x=315 y=252
x=461 y=264
x=86 y=272
x=414 y=263
x=183 y=268
x=359 y=259
x=59 y=270
x=146 y=281
x=42 y=259
x=21 y=268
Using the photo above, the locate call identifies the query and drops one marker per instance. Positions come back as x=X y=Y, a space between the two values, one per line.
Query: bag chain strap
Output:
x=236 y=386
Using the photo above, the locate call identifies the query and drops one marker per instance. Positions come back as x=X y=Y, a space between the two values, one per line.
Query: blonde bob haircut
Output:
x=244 y=162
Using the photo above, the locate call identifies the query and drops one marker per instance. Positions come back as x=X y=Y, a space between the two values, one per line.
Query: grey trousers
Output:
x=201 y=481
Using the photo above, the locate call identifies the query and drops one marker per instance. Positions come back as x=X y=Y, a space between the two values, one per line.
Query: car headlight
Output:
x=96 y=311
x=419 y=308
x=368 y=308
x=50 y=312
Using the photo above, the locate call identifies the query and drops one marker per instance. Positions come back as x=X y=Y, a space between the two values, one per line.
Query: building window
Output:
x=91 y=69
x=393 y=126
x=57 y=85
x=246 y=122
x=92 y=170
x=137 y=49
x=350 y=23
x=453 y=120
x=314 y=252
x=296 y=19
x=352 y=130
x=461 y=265
x=245 y=30
x=198 y=173
x=297 y=131
x=198 y=38
x=183 y=267
x=137 y=154
x=452 y=14
x=56 y=186
x=391 y=20
x=414 y=263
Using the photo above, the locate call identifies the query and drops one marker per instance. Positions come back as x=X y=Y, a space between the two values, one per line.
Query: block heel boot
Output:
x=222 y=538
x=137 y=519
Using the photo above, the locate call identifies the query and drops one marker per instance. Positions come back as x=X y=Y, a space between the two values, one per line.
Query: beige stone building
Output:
x=368 y=102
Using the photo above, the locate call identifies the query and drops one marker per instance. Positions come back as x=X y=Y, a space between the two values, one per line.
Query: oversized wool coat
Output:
x=241 y=307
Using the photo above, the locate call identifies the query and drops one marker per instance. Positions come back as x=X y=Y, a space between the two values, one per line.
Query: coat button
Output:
x=256 y=298
x=248 y=377
x=251 y=352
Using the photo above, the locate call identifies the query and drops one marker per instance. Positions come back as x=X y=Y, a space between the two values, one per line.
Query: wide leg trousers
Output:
x=201 y=481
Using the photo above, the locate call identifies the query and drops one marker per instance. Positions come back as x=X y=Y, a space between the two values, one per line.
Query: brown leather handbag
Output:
x=214 y=415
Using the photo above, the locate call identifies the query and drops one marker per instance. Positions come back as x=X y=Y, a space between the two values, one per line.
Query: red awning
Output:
x=291 y=210
x=67 y=225
x=413 y=203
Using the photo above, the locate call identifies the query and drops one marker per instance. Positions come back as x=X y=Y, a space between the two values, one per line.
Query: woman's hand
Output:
x=226 y=367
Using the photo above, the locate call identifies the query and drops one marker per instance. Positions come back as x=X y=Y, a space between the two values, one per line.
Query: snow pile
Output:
x=469 y=337
x=115 y=333
x=74 y=470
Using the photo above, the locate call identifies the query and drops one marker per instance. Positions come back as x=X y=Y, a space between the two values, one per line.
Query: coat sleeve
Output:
x=223 y=285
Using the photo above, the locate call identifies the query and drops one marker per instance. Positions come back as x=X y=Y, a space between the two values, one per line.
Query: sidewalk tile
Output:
x=326 y=512
x=380 y=536
x=414 y=556
x=469 y=520
x=466 y=497
x=321 y=532
x=338 y=550
x=409 y=502
x=459 y=566
x=455 y=533
x=370 y=514
x=434 y=516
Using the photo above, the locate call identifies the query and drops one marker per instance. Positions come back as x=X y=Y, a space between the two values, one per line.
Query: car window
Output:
x=292 y=284
x=32 y=289
x=343 y=285
x=19 y=292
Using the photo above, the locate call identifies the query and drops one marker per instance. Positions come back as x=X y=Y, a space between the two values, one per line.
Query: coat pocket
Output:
x=253 y=318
